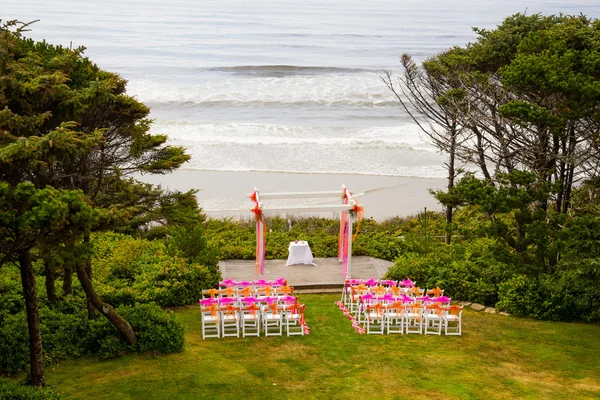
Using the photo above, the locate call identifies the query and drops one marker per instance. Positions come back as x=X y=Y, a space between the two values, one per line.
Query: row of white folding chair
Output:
x=276 y=317
x=246 y=301
x=413 y=319
x=358 y=307
x=356 y=292
x=248 y=291
x=388 y=300
x=231 y=320
x=350 y=292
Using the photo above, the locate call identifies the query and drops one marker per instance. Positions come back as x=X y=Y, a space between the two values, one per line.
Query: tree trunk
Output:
x=67 y=281
x=105 y=309
x=569 y=188
x=451 y=173
x=90 y=305
x=36 y=356
x=50 y=283
x=88 y=271
x=481 y=154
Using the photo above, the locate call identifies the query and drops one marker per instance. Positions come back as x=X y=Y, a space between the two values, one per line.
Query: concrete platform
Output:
x=326 y=276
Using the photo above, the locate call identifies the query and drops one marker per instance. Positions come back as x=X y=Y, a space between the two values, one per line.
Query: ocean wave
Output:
x=361 y=89
x=284 y=70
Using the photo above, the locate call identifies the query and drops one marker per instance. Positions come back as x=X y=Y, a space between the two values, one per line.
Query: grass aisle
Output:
x=497 y=357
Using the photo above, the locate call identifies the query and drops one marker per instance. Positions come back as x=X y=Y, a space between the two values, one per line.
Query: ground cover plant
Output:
x=12 y=390
x=497 y=357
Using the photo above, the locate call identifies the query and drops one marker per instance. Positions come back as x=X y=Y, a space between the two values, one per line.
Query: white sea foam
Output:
x=404 y=137
x=364 y=89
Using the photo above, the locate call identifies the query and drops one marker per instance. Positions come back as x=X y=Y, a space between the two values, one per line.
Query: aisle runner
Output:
x=348 y=315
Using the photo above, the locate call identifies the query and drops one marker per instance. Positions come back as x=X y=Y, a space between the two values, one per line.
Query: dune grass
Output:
x=497 y=357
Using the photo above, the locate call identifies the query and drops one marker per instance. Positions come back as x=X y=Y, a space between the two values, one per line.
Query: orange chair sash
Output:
x=378 y=310
x=455 y=310
x=231 y=310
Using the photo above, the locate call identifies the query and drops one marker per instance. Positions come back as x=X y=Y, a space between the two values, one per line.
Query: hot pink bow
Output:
x=280 y=282
x=407 y=283
x=371 y=282
x=209 y=301
x=227 y=283
x=407 y=299
x=250 y=300
x=289 y=299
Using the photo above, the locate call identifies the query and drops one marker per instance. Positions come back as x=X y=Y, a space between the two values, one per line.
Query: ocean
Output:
x=288 y=86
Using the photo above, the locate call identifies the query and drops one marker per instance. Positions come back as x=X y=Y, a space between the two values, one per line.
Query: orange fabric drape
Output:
x=360 y=212
x=261 y=239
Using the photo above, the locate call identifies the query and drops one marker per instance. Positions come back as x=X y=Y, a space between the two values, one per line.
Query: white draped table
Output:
x=300 y=253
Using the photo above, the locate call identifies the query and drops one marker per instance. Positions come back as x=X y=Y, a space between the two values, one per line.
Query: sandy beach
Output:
x=225 y=194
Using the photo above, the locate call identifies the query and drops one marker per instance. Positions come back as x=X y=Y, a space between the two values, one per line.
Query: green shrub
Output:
x=466 y=271
x=73 y=335
x=12 y=390
x=11 y=297
x=129 y=271
x=570 y=293
x=190 y=242
x=156 y=329
x=14 y=345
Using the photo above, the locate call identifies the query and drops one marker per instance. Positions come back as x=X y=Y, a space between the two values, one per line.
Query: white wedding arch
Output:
x=349 y=209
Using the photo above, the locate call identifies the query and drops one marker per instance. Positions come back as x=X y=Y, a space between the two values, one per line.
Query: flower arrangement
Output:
x=359 y=329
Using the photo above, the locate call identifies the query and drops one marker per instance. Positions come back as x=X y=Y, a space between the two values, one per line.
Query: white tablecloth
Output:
x=299 y=253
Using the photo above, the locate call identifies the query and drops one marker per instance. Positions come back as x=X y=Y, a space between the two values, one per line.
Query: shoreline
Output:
x=223 y=194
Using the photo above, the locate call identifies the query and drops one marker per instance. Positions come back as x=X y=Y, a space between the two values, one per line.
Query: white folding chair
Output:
x=266 y=291
x=211 y=327
x=413 y=318
x=453 y=320
x=272 y=319
x=346 y=293
x=210 y=293
x=230 y=326
x=375 y=318
x=284 y=292
x=356 y=292
x=416 y=291
x=228 y=292
x=437 y=292
x=395 y=318
x=433 y=319
x=250 y=320
x=294 y=319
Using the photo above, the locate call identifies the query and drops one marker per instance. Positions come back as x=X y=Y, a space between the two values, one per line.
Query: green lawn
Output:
x=497 y=357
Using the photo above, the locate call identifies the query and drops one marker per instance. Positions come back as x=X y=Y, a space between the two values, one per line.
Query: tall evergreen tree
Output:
x=69 y=125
